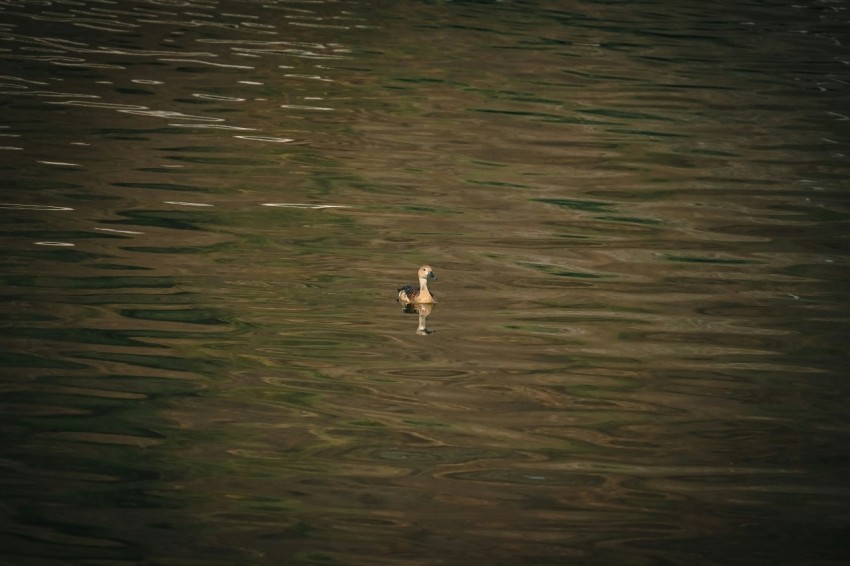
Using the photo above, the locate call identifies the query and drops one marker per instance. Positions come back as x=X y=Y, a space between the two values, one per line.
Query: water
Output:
x=637 y=213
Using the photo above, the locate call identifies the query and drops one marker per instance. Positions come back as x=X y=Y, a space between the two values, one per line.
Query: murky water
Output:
x=637 y=213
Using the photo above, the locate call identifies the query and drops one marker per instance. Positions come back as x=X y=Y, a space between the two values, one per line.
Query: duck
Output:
x=419 y=295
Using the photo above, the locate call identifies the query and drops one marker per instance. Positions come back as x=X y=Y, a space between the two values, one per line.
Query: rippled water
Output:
x=637 y=212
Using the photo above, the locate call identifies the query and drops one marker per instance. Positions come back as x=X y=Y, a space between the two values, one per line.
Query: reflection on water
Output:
x=638 y=212
x=422 y=311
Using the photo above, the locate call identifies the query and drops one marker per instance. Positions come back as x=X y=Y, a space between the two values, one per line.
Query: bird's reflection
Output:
x=423 y=310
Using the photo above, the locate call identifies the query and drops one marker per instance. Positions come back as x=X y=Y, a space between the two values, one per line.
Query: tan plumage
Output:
x=421 y=294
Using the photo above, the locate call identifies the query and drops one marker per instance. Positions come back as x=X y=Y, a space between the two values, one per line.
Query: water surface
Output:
x=637 y=213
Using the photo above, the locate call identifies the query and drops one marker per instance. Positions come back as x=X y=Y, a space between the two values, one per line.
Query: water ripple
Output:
x=636 y=212
x=44 y=207
x=208 y=63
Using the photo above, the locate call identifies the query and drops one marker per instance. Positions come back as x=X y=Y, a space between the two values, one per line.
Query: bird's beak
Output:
x=432 y=275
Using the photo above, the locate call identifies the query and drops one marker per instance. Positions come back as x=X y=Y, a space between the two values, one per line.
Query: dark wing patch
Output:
x=410 y=291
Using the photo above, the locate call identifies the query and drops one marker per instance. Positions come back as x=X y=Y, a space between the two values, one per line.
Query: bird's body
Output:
x=418 y=295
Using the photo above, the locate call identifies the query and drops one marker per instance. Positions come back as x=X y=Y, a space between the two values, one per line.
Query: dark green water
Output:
x=637 y=213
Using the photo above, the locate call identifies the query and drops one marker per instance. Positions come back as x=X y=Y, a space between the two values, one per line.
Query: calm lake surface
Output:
x=637 y=213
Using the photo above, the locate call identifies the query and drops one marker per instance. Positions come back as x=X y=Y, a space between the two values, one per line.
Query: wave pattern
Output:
x=637 y=213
